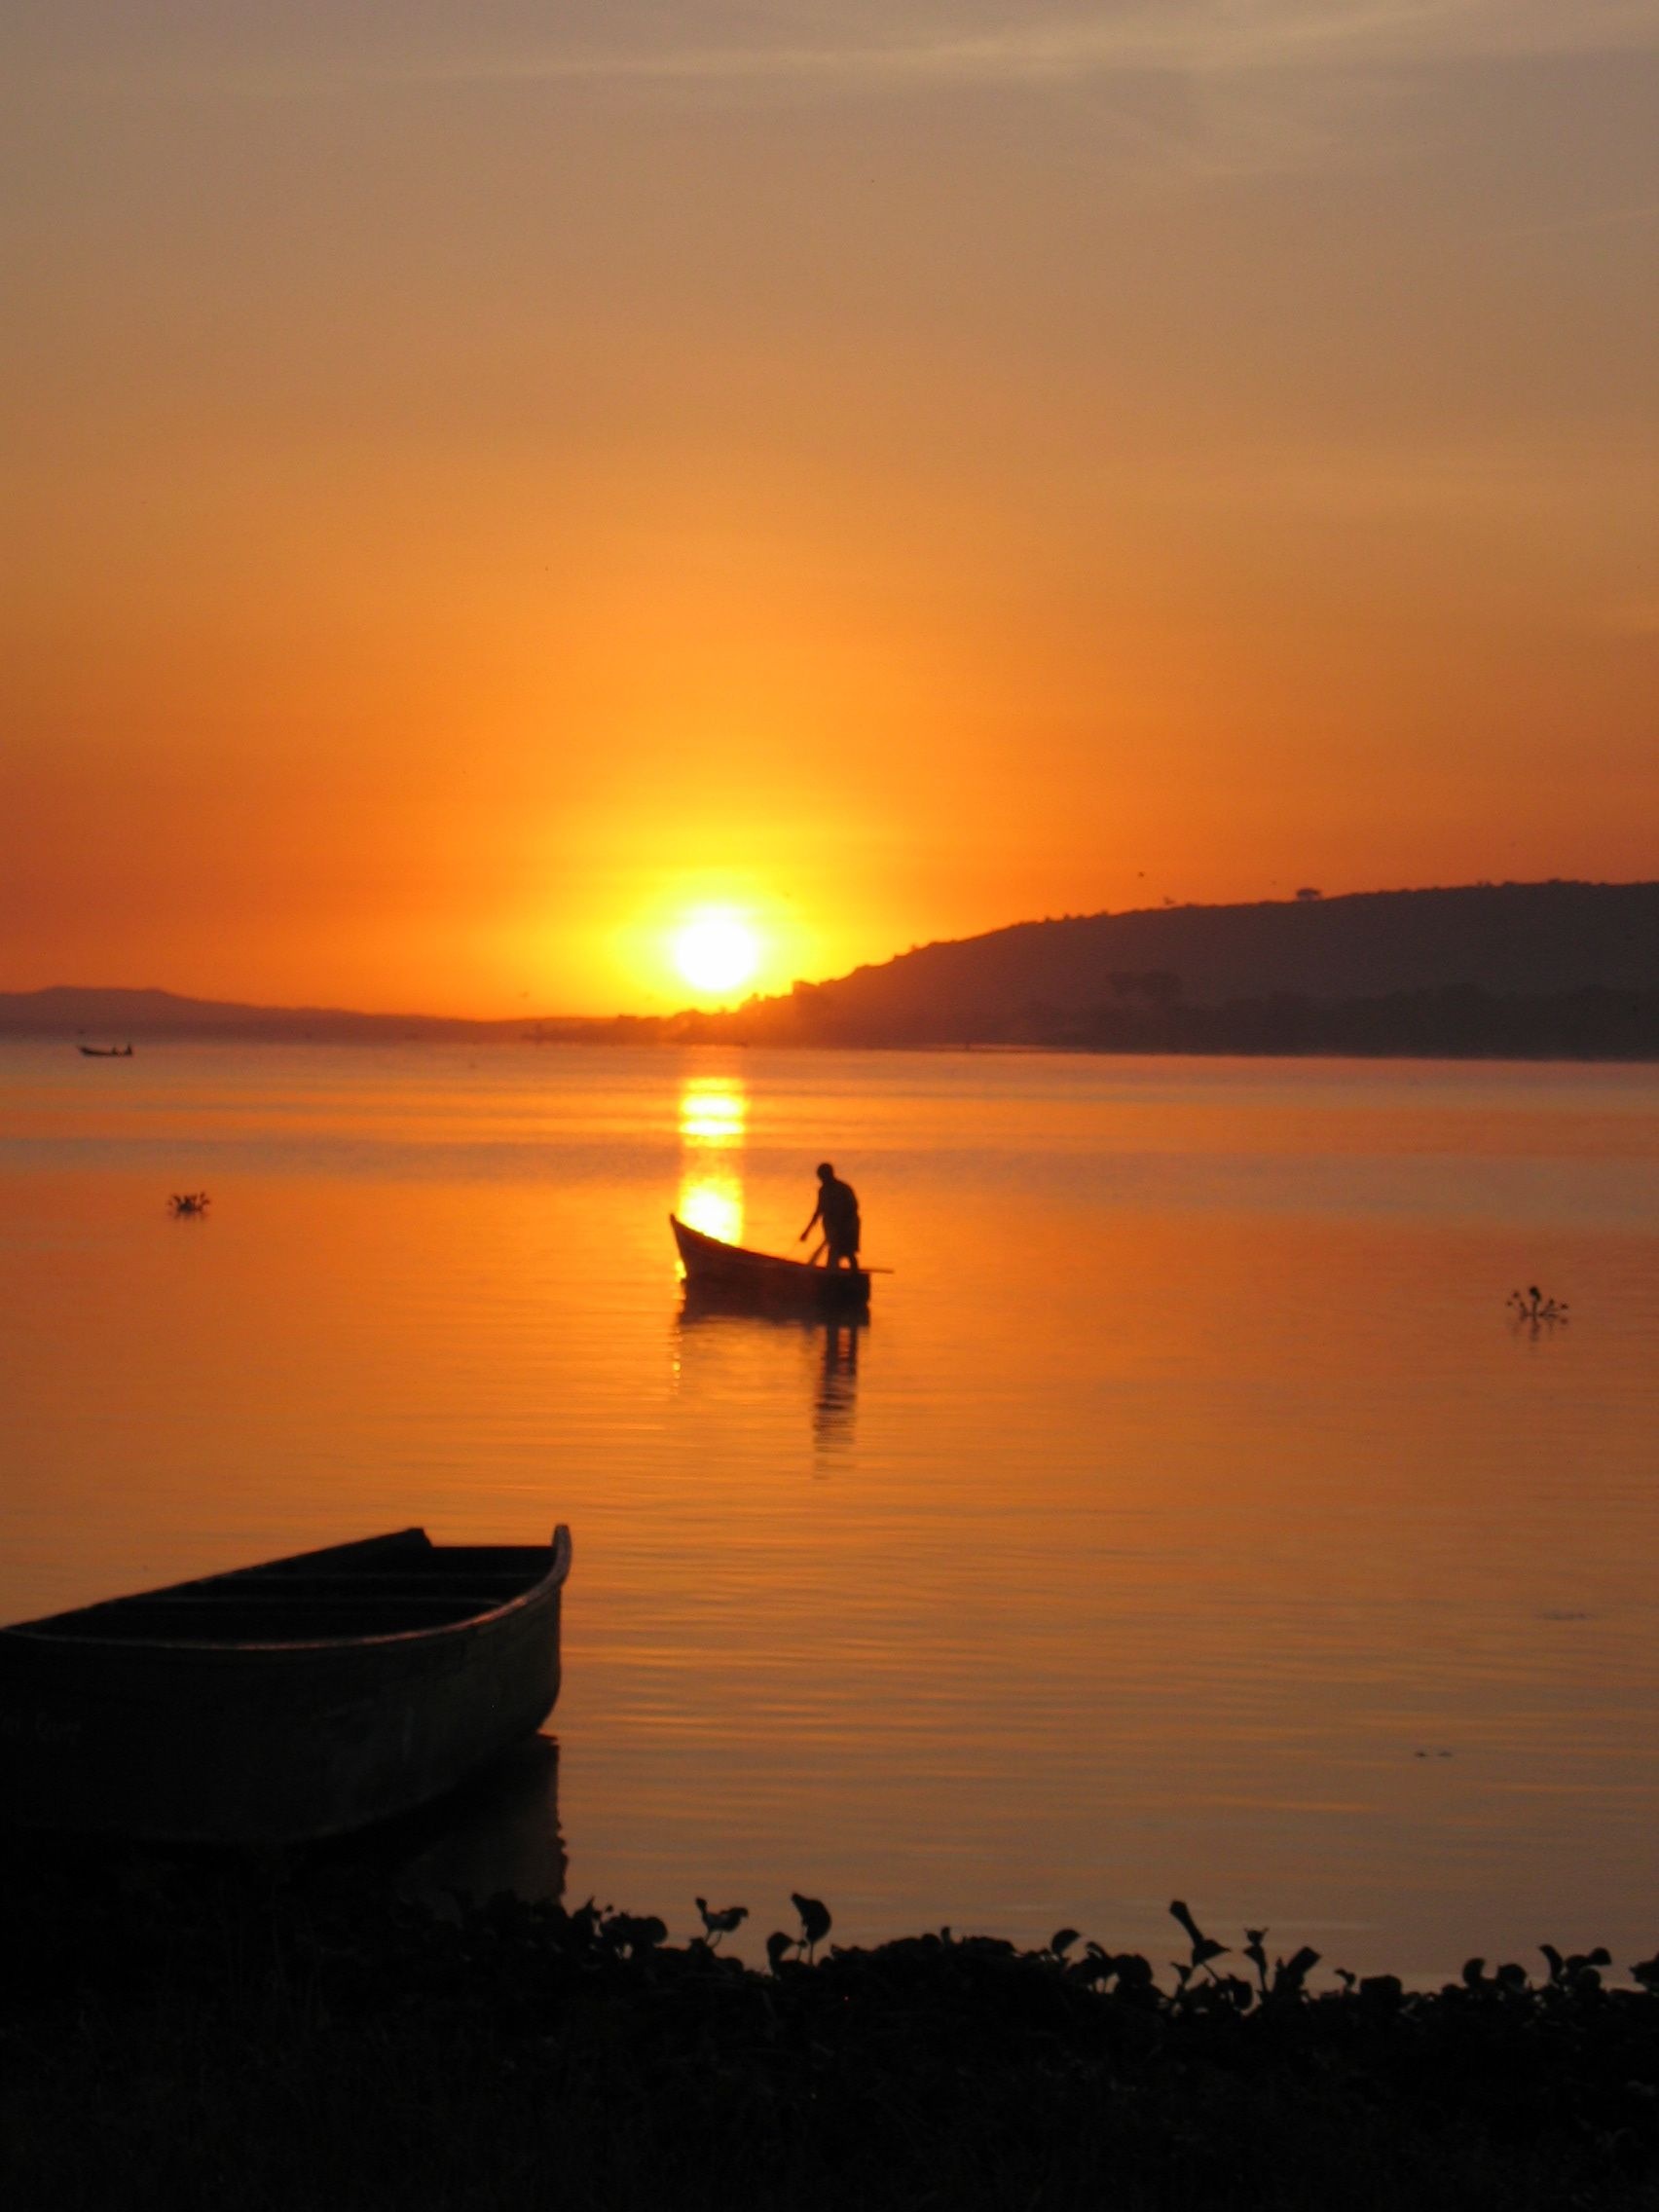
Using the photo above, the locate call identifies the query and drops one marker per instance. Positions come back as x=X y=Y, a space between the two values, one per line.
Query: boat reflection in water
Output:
x=498 y=1832
x=738 y=1320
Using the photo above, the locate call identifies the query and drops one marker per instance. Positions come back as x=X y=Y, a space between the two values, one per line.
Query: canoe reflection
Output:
x=707 y=1310
x=499 y=1832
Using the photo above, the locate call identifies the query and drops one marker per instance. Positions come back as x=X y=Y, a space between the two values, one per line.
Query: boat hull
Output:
x=269 y=1740
x=728 y=1272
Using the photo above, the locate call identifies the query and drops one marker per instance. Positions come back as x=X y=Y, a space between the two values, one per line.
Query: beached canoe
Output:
x=300 y=1699
x=712 y=1266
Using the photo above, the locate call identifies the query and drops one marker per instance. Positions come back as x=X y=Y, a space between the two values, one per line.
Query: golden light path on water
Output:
x=713 y=1116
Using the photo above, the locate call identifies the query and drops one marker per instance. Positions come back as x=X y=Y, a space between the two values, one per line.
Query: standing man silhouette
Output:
x=837 y=1208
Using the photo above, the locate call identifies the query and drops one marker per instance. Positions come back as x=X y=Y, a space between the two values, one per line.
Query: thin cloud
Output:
x=1206 y=37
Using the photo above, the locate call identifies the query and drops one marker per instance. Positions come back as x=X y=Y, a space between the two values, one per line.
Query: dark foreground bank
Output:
x=177 y=2035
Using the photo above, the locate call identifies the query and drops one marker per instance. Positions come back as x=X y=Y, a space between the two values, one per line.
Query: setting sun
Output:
x=715 y=949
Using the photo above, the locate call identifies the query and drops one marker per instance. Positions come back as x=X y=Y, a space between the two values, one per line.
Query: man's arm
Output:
x=817 y=1211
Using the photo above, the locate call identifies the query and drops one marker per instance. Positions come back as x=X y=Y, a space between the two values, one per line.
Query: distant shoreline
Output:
x=1552 y=971
x=712 y=1032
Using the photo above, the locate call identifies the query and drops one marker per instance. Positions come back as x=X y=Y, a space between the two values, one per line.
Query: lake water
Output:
x=1191 y=1519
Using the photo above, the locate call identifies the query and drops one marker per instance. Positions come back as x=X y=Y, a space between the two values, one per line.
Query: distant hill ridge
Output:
x=1512 y=939
x=1550 y=968
x=68 y=1010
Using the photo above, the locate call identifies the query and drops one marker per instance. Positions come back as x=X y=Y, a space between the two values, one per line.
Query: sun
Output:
x=715 y=949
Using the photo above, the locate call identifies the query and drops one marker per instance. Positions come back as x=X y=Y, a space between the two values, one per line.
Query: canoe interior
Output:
x=385 y=1586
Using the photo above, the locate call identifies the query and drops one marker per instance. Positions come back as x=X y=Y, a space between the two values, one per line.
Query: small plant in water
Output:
x=1534 y=1309
x=188 y=1203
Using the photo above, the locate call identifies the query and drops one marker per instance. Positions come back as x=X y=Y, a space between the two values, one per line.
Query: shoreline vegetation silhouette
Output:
x=1556 y=970
x=276 y=2033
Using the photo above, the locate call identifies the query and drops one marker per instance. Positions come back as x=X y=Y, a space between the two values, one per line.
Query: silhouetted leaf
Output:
x=637 y=1931
x=1255 y=1953
x=724 y=1922
x=1178 y=1911
x=1289 y=1974
x=815 y=1920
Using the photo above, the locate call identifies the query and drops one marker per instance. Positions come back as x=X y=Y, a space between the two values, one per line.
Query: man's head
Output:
x=826 y=1173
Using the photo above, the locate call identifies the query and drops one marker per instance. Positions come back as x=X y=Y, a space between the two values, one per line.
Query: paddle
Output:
x=812 y=1259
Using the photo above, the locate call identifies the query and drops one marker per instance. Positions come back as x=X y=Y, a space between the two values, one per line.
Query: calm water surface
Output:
x=1191 y=1519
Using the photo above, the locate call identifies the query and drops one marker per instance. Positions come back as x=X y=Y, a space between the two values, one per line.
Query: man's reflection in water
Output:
x=837 y=1383
x=499 y=1831
x=830 y=1348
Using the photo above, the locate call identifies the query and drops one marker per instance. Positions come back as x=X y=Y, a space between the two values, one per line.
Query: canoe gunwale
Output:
x=43 y=1634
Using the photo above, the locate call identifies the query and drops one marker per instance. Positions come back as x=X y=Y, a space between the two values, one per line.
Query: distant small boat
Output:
x=107 y=1052
x=728 y=1269
x=305 y=1698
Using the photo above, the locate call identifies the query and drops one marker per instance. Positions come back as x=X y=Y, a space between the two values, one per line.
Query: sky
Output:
x=485 y=483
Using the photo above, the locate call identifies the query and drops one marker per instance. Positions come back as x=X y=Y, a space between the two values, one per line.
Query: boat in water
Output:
x=727 y=1270
x=279 y=1704
x=106 y=1051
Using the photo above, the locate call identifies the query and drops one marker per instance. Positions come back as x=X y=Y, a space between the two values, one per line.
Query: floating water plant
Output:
x=1531 y=1305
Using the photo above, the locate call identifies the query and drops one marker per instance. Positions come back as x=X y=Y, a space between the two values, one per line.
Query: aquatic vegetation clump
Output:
x=186 y=2034
x=1533 y=1309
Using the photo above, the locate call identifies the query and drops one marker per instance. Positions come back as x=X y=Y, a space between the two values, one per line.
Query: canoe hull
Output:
x=269 y=1743
x=729 y=1272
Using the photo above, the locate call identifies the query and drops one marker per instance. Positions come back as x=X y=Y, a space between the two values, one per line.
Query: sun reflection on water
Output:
x=713 y=1111
x=713 y=1204
x=714 y=1114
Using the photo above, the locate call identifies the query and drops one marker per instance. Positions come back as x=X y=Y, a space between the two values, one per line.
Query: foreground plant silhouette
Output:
x=723 y=1923
x=184 y=2037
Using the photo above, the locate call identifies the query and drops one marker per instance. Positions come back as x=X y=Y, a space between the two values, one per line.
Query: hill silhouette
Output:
x=1540 y=967
x=1568 y=970
x=66 y=1010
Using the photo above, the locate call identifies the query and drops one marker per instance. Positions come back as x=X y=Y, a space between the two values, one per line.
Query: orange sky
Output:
x=482 y=481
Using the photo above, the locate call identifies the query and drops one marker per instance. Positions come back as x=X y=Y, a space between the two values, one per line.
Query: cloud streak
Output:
x=1203 y=37
x=847 y=46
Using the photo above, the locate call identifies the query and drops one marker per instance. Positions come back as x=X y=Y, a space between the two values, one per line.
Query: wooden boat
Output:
x=107 y=1052
x=303 y=1698
x=759 y=1276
